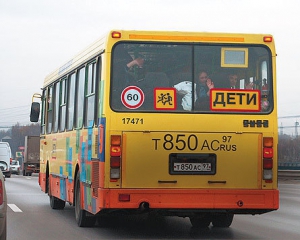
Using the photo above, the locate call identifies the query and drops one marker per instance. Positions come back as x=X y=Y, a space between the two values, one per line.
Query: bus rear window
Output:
x=193 y=78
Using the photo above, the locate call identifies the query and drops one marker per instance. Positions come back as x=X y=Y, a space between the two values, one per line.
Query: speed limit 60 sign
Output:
x=132 y=97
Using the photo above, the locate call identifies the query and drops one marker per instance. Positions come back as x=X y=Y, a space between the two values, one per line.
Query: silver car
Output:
x=3 y=208
x=15 y=167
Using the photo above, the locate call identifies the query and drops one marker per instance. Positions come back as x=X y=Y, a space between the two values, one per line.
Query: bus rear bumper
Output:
x=237 y=201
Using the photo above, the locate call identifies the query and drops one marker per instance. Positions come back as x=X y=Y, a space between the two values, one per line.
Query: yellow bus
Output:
x=172 y=123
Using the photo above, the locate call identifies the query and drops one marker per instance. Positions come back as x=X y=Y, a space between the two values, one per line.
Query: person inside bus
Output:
x=184 y=91
x=265 y=86
x=123 y=65
x=232 y=81
x=123 y=76
x=139 y=61
x=204 y=84
x=203 y=87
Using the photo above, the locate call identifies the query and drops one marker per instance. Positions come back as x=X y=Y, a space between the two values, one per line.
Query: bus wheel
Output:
x=201 y=220
x=82 y=218
x=57 y=203
x=223 y=220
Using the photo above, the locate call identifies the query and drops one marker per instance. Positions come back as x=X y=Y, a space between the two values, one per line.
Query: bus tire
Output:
x=201 y=220
x=56 y=203
x=81 y=216
x=223 y=220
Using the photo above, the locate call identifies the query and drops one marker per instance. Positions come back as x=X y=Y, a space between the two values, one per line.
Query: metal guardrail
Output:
x=289 y=174
x=289 y=166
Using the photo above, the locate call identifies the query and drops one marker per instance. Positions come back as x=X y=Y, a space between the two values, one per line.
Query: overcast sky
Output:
x=37 y=36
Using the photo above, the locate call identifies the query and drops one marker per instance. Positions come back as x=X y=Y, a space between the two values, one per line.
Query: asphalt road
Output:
x=30 y=217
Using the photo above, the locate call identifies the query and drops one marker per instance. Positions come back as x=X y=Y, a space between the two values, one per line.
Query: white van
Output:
x=5 y=158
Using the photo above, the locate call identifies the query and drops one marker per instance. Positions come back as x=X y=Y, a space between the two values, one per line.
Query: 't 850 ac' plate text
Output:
x=192 y=142
x=189 y=167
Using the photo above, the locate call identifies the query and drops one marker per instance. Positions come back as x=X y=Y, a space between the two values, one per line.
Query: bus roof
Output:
x=94 y=49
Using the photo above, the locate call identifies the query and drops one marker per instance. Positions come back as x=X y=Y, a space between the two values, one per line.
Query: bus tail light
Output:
x=268 y=163
x=115 y=151
x=268 y=152
x=268 y=159
x=116 y=140
x=114 y=174
x=115 y=158
x=268 y=142
x=115 y=162
x=268 y=175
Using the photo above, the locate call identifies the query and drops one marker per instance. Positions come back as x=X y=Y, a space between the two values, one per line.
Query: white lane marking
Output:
x=14 y=208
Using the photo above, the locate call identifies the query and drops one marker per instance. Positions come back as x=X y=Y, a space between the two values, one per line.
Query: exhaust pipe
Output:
x=144 y=207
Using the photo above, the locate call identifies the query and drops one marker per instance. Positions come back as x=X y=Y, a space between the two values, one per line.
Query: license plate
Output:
x=190 y=167
x=192 y=164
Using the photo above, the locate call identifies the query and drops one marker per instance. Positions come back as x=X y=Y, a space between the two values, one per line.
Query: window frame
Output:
x=135 y=48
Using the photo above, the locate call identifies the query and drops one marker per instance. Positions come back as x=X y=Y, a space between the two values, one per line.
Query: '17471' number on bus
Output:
x=132 y=120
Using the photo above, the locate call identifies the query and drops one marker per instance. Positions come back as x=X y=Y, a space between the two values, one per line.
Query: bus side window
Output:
x=79 y=98
x=62 y=105
x=55 y=106
x=70 y=100
x=49 y=109
x=43 y=115
x=90 y=95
